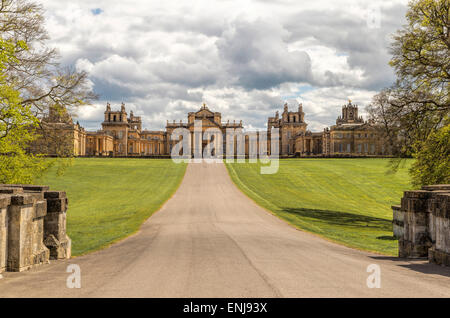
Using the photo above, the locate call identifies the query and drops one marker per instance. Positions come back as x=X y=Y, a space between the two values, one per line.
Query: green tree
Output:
x=417 y=106
x=16 y=126
x=432 y=165
x=32 y=82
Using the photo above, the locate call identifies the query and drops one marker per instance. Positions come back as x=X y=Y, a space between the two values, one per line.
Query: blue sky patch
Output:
x=96 y=11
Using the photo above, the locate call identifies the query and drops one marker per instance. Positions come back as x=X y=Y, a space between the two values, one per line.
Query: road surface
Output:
x=210 y=240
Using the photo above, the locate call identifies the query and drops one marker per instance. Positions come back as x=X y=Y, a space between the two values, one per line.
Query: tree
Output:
x=32 y=83
x=416 y=108
x=16 y=166
x=38 y=76
x=432 y=165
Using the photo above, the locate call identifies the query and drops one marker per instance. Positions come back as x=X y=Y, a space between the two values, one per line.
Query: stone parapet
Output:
x=422 y=224
x=32 y=226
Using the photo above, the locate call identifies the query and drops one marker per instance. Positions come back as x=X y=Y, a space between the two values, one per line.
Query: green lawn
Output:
x=345 y=200
x=110 y=198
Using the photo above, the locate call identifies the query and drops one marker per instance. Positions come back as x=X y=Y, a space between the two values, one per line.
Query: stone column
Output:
x=4 y=203
x=416 y=239
x=55 y=235
x=440 y=252
x=25 y=231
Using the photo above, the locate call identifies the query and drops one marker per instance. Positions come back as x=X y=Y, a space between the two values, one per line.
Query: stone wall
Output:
x=422 y=224
x=32 y=226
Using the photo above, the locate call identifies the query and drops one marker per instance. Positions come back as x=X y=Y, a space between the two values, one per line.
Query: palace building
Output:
x=122 y=135
x=351 y=136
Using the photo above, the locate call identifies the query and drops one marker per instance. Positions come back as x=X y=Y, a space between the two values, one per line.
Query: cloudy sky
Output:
x=242 y=58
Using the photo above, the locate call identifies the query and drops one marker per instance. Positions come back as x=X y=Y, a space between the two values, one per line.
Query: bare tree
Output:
x=36 y=73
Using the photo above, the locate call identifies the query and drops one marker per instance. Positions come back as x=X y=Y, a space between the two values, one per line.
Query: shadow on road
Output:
x=418 y=264
x=343 y=218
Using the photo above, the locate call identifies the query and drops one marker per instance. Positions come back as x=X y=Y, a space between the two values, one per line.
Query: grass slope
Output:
x=345 y=200
x=110 y=198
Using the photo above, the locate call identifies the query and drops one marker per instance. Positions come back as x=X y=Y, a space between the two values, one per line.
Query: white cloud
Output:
x=243 y=58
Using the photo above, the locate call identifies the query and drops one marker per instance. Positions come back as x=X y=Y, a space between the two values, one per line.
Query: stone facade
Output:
x=290 y=125
x=122 y=135
x=422 y=224
x=32 y=226
x=350 y=137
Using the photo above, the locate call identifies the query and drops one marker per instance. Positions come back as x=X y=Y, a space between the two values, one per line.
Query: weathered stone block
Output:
x=59 y=249
x=413 y=204
x=27 y=187
x=10 y=190
x=426 y=224
x=435 y=187
x=25 y=234
x=28 y=214
x=442 y=208
x=40 y=209
x=35 y=188
x=55 y=224
x=4 y=203
x=438 y=257
x=57 y=205
x=22 y=199
x=56 y=238
x=55 y=195
x=398 y=221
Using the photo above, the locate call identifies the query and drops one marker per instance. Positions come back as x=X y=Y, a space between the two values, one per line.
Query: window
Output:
x=372 y=149
x=359 y=148
x=348 y=147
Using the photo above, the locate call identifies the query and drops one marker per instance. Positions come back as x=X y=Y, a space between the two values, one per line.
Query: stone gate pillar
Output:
x=25 y=232
x=422 y=223
x=440 y=252
x=416 y=238
x=56 y=238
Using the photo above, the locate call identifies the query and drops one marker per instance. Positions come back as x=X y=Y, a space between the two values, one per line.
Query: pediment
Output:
x=206 y=122
x=204 y=112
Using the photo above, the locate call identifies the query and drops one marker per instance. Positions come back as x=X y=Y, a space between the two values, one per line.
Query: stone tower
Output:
x=116 y=125
x=290 y=124
x=349 y=115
